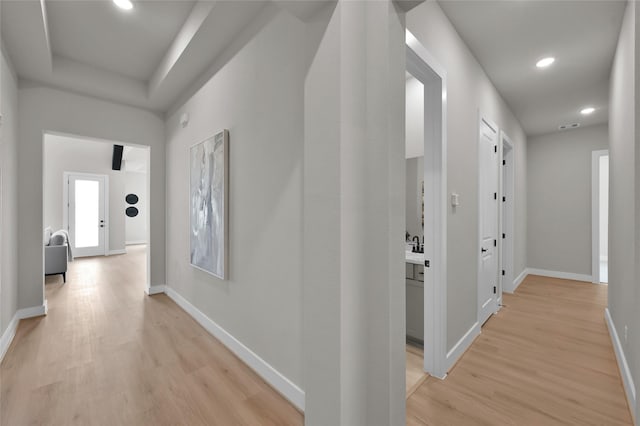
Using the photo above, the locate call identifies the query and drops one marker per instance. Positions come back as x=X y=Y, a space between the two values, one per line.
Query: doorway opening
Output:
x=600 y=216
x=87 y=199
x=425 y=251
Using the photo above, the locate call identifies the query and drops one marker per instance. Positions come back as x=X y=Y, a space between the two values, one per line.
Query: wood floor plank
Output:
x=107 y=354
x=545 y=359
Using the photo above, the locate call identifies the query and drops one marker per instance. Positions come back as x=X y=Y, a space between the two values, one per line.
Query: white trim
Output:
x=118 y=251
x=8 y=335
x=155 y=289
x=424 y=66
x=463 y=344
x=507 y=215
x=278 y=381
x=516 y=283
x=625 y=371
x=558 y=274
x=35 y=311
x=595 y=213
x=135 y=243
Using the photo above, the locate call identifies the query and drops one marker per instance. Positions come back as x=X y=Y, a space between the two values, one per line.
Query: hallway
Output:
x=545 y=359
x=107 y=354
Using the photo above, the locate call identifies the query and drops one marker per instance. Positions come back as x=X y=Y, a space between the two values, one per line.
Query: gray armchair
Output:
x=55 y=261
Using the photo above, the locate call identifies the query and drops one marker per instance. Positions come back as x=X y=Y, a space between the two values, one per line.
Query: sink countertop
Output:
x=415 y=258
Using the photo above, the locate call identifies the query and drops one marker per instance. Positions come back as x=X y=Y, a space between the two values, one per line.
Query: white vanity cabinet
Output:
x=415 y=301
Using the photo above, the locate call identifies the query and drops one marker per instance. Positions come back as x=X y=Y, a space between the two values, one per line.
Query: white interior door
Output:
x=87 y=214
x=488 y=222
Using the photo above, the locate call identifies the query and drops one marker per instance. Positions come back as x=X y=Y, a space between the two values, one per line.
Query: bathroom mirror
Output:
x=415 y=197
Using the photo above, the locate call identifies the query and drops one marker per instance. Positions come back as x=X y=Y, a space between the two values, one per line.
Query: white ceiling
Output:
x=130 y=43
x=147 y=57
x=509 y=37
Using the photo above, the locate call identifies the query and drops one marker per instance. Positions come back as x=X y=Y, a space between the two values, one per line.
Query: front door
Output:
x=87 y=214
x=488 y=272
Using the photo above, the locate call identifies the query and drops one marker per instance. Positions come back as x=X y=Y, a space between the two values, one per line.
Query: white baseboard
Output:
x=155 y=289
x=35 y=311
x=134 y=243
x=119 y=251
x=8 y=335
x=561 y=275
x=512 y=287
x=625 y=372
x=277 y=380
x=463 y=344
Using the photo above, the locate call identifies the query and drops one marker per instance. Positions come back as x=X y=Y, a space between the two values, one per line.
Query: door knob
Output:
x=483 y=250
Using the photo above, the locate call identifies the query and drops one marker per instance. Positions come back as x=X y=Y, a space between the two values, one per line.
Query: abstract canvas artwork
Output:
x=208 y=204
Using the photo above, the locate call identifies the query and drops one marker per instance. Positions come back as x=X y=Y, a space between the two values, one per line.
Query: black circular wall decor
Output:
x=131 y=198
x=131 y=211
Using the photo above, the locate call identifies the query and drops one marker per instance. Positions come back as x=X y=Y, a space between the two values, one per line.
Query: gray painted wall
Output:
x=624 y=169
x=260 y=101
x=40 y=111
x=64 y=154
x=469 y=91
x=559 y=198
x=8 y=194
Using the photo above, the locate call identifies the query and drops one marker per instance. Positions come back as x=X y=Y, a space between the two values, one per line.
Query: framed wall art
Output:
x=208 y=199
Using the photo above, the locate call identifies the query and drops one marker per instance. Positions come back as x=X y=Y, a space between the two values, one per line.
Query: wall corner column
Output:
x=354 y=173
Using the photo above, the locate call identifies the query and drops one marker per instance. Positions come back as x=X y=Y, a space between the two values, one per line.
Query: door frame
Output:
x=423 y=66
x=483 y=118
x=66 y=206
x=147 y=286
x=595 y=213
x=507 y=216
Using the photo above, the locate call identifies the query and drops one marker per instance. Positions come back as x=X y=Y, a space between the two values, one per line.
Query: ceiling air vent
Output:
x=569 y=126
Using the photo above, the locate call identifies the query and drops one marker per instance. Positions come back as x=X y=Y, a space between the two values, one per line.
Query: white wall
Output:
x=414 y=118
x=41 y=110
x=260 y=101
x=65 y=154
x=469 y=91
x=8 y=194
x=604 y=206
x=559 y=198
x=278 y=96
x=136 y=227
x=624 y=168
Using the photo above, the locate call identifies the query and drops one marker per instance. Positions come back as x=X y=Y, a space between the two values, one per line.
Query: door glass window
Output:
x=87 y=214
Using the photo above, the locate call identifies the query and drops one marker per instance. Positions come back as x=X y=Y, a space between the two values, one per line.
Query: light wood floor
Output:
x=545 y=359
x=415 y=374
x=107 y=354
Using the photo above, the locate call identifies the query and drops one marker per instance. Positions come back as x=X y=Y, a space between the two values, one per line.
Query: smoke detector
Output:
x=569 y=126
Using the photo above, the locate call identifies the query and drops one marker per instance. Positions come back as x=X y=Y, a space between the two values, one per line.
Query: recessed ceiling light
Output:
x=587 y=111
x=124 y=4
x=545 y=62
